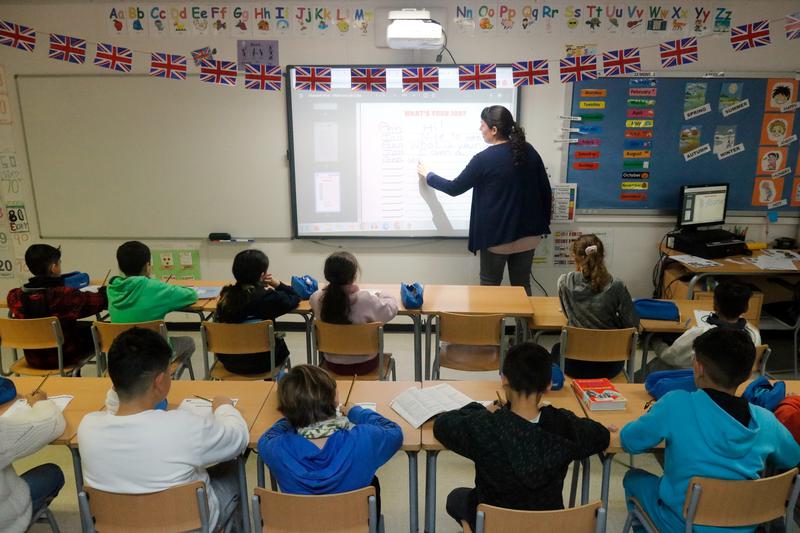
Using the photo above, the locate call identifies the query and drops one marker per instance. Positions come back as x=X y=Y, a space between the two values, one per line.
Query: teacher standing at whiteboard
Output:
x=511 y=200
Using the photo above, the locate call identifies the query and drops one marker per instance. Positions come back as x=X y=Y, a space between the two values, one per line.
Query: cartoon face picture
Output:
x=770 y=161
x=776 y=129
x=781 y=95
x=200 y=24
x=166 y=260
x=766 y=191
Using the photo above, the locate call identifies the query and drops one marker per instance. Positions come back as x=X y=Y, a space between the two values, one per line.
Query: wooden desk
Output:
x=251 y=394
x=483 y=390
x=379 y=392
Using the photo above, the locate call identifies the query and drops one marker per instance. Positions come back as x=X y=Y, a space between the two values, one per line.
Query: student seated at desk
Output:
x=22 y=434
x=730 y=303
x=136 y=297
x=130 y=448
x=521 y=451
x=342 y=302
x=45 y=295
x=709 y=433
x=255 y=296
x=315 y=451
x=593 y=299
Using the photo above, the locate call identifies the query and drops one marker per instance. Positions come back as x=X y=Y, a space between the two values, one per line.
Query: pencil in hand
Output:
x=106 y=278
x=37 y=389
x=353 y=382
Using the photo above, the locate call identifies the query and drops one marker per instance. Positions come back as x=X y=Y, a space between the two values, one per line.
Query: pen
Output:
x=40 y=384
x=106 y=278
x=168 y=278
x=499 y=399
x=202 y=398
x=353 y=382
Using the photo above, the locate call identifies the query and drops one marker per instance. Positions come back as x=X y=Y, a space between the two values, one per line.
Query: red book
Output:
x=599 y=394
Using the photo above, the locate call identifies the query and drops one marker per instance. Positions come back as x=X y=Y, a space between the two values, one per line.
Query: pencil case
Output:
x=657 y=309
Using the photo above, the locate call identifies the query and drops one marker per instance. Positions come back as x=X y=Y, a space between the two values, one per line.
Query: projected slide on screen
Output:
x=354 y=155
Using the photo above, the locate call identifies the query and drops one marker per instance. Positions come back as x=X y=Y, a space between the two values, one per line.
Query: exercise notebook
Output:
x=21 y=404
x=199 y=406
x=418 y=406
x=599 y=394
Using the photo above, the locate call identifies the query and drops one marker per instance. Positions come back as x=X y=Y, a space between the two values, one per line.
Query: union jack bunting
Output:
x=368 y=79
x=420 y=79
x=262 y=77
x=477 y=77
x=66 y=48
x=530 y=72
x=678 y=52
x=793 y=26
x=168 y=66
x=750 y=35
x=620 y=62
x=219 y=72
x=113 y=57
x=578 y=68
x=312 y=78
x=17 y=36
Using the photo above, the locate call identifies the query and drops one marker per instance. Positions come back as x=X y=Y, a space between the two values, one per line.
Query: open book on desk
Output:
x=417 y=406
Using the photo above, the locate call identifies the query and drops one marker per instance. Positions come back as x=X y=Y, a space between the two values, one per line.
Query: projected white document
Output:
x=355 y=154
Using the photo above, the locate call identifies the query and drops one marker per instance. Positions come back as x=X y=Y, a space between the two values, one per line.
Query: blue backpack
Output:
x=76 y=280
x=557 y=377
x=411 y=295
x=304 y=286
x=764 y=394
x=664 y=381
x=7 y=390
x=657 y=309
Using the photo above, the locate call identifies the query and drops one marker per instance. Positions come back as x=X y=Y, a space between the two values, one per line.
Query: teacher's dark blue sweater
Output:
x=508 y=202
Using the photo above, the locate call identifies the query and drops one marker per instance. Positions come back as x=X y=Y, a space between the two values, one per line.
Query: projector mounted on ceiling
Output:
x=413 y=29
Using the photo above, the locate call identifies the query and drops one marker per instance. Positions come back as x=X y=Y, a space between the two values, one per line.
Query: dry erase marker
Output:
x=351 y=389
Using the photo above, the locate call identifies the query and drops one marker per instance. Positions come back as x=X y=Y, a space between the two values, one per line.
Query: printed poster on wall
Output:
x=565 y=196
x=177 y=264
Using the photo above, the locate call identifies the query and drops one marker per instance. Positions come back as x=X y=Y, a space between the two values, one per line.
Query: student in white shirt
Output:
x=731 y=300
x=133 y=449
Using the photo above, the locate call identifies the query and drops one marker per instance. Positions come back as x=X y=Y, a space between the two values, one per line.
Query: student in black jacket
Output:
x=255 y=296
x=521 y=450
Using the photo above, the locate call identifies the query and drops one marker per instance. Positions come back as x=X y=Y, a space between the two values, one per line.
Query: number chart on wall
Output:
x=638 y=140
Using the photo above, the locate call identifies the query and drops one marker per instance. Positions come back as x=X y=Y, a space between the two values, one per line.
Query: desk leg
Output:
x=648 y=338
x=243 y=499
x=430 y=490
x=573 y=489
x=260 y=479
x=417 y=319
x=428 y=348
x=606 y=458
x=692 y=283
x=585 y=482
x=76 y=467
x=309 y=351
x=413 y=492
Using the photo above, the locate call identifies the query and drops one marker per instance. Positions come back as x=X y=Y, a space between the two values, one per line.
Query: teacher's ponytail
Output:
x=517 y=140
x=499 y=117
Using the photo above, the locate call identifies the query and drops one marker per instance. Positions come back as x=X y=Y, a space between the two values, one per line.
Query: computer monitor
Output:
x=703 y=205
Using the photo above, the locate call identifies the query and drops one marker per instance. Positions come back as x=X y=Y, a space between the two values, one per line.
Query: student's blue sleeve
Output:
x=386 y=435
x=268 y=440
x=648 y=430
x=787 y=452
x=468 y=178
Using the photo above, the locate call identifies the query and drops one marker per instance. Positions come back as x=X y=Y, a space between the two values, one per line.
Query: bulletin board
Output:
x=636 y=141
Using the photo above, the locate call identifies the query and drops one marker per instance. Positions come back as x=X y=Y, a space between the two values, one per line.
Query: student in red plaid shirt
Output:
x=45 y=295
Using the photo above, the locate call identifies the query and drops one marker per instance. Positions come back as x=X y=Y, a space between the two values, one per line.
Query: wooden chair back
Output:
x=598 y=344
x=762 y=356
x=753 y=313
x=724 y=503
x=474 y=330
x=104 y=333
x=234 y=339
x=589 y=518
x=348 y=339
x=348 y=512
x=30 y=333
x=181 y=508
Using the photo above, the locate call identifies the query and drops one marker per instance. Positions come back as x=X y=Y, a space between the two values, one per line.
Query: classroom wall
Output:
x=632 y=239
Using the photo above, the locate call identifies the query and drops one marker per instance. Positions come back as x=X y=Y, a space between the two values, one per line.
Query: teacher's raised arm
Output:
x=511 y=199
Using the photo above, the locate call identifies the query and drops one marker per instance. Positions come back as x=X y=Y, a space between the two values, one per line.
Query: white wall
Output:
x=634 y=239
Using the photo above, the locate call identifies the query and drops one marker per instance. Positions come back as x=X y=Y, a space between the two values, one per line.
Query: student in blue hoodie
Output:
x=710 y=432
x=313 y=450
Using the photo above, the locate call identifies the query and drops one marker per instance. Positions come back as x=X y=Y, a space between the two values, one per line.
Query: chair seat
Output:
x=468 y=357
x=218 y=371
x=372 y=376
x=465 y=526
x=21 y=367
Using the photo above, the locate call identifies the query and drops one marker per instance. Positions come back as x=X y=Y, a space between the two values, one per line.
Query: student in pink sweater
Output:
x=342 y=302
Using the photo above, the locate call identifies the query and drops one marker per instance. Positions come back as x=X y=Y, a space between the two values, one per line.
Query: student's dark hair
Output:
x=592 y=263
x=731 y=299
x=135 y=358
x=727 y=356
x=341 y=269
x=783 y=90
x=40 y=257
x=527 y=368
x=132 y=257
x=499 y=117
x=306 y=394
x=248 y=267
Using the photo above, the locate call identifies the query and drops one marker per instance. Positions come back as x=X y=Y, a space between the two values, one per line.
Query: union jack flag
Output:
x=477 y=77
x=619 y=62
x=368 y=79
x=219 y=72
x=66 y=48
x=312 y=78
x=17 y=36
x=750 y=35
x=420 y=79
x=678 y=52
x=168 y=66
x=113 y=57
x=793 y=26
x=262 y=77
x=530 y=72
x=578 y=68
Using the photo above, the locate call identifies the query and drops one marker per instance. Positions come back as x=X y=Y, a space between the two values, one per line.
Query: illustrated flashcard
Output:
x=771 y=159
x=780 y=92
x=695 y=95
x=724 y=138
x=794 y=198
x=177 y=264
x=690 y=137
x=179 y=20
x=221 y=19
x=577 y=50
x=166 y=261
x=259 y=52
x=776 y=127
x=730 y=94
x=767 y=190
